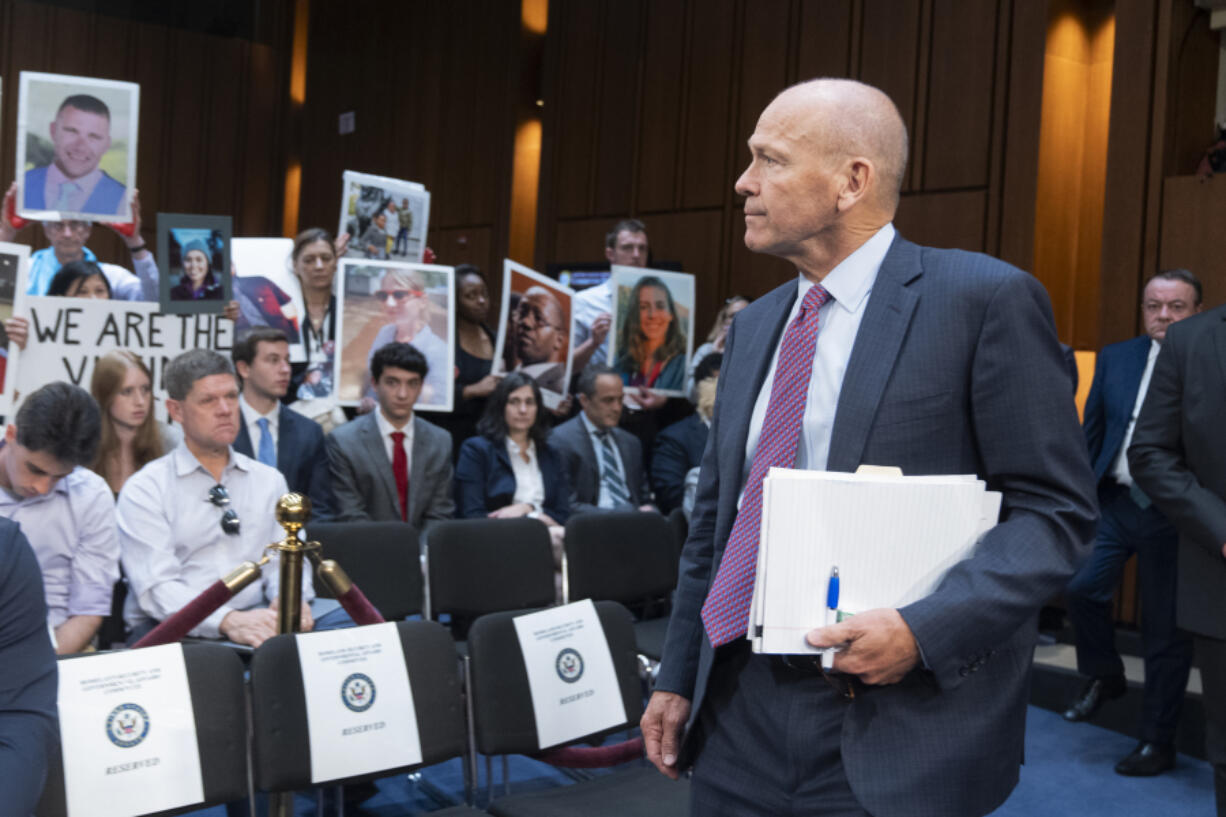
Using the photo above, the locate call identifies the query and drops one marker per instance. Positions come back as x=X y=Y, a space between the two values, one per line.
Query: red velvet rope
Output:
x=593 y=757
x=181 y=623
x=359 y=607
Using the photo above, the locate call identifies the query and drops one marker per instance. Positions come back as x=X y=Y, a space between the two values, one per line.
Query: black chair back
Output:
x=479 y=566
x=382 y=558
x=503 y=718
x=281 y=751
x=625 y=556
x=219 y=703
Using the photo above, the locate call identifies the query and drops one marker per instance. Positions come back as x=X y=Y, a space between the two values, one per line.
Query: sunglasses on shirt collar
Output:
x=220 y=497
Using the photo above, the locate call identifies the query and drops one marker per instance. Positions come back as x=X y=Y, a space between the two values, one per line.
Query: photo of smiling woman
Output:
x=652 y=346
x=198 y=282
x=394 y=302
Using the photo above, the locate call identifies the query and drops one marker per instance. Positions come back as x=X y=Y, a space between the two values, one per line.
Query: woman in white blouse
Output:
x=508 y=470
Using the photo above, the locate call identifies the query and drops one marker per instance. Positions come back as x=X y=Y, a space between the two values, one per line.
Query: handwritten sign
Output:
x=68 y=335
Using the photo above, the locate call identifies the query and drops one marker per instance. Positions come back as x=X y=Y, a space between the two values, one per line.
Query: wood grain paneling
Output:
x=944 y=219
x=1192 y=231
x=889 y=59
x=664 y=56
x=708 y=130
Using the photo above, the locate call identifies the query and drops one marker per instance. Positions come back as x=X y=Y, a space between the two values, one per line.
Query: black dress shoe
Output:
x=1096 y=692
x=1147 y=760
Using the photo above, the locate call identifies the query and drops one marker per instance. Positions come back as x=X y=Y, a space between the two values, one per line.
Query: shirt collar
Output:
x=89 y=181
x=250 y=415
x=386 y=427
x=591 y=427
x=513 y=449
x=185 y=461
x=850 y=282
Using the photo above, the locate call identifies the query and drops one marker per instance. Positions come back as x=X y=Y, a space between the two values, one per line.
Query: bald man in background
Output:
x=936 y=361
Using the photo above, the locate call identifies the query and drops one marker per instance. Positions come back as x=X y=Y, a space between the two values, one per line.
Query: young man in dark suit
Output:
x=273 y=433
x=604 y=462
x=886 y=353
x=390 y=464
x=1178 y=458
x=1131 y=524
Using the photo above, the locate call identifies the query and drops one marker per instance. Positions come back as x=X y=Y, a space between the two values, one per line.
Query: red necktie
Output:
x=725 y=613
x=400 y=467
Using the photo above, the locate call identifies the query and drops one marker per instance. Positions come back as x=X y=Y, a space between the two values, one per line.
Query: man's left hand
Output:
x=878 y=646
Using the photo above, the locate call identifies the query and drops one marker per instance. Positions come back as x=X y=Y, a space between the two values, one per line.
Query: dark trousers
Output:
x=769 y=742
x=1211 y=658
x=1126 y=528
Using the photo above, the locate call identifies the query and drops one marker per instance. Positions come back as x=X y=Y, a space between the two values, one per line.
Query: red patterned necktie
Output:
x=400 y=468
x=725 y=614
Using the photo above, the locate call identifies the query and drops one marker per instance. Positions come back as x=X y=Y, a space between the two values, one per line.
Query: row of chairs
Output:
x=493 y=712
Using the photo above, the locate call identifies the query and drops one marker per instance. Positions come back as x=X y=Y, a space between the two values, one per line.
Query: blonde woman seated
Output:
x=131 y=437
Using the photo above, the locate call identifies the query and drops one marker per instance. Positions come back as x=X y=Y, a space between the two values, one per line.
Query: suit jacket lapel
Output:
x=376 y=451
x=1138 y=357
x=886 y=318
x=591 y=465
x=242 y=443
x=286 y=444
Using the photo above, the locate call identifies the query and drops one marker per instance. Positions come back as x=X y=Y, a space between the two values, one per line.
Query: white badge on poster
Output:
x=570 y=673
x=360 y=714
x=128 y=733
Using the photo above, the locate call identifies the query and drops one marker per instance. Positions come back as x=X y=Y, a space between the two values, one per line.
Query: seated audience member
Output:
x=389 y=464
x=65 y=508
x=195 y=514
x=715 y=340
x=68 y=239
x=273 y=433
x=131 y=436
x=510 y=470
x=80 y=279
x=679 y=447
x=27 y=676
x=604 y=463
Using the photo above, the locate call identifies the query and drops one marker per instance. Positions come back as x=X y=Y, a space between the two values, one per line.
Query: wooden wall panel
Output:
x=962 y=71
x=1192 y=231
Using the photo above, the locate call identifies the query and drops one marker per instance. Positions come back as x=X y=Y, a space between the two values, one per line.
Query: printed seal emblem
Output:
x=127 y=725
x=569 y=665
x=358 y=692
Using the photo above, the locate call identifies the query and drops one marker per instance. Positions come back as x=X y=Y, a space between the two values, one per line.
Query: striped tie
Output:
x=611 y=481
x=725 y=614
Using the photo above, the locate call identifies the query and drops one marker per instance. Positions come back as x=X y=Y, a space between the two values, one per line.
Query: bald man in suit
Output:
x=936 y=361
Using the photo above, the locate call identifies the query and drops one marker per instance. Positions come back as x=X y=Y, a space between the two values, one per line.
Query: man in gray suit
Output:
x=936 y=361
x=389 y=464
x=604 y=462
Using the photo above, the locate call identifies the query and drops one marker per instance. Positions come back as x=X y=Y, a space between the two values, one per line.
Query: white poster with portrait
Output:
x=14 y=271
x=651 y=338
x=267 y=291
x=128 y=733
x=386 y=219
x=76 y=147
x=359 y=704
x=382 y=302
x=570 y=673
x=535 y=325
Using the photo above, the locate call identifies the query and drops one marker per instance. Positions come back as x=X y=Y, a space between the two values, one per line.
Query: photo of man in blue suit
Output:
x=73 y=182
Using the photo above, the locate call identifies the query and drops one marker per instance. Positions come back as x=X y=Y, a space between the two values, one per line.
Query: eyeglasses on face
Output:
x=399 y=295
x=220 y=497
x=68 y=226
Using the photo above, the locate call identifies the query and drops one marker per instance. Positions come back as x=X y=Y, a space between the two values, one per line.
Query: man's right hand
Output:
x=252 y=627
x=662 y=724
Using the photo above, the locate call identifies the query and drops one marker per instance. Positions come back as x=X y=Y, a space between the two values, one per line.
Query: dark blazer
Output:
x=1178 y=458
x=1113 y=392
x=484 y=480
x=362 y=478
x=572 y=441
x=678 y=449
x=955 y=369
x=302 y=458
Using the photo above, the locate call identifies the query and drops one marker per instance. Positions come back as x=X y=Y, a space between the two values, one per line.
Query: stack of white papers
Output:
x=892 y=538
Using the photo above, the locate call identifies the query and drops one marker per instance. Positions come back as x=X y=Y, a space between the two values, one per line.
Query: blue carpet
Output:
x=1068 y=773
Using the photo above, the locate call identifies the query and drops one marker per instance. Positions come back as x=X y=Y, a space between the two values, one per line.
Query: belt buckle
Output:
x=812 y=664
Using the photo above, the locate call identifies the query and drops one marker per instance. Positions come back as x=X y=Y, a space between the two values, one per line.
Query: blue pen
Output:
x=832 y=608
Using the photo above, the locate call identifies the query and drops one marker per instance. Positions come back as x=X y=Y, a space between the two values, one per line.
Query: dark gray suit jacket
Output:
x=362 y=479
x=1178 y=458
x=572 y=441
x=955 y=369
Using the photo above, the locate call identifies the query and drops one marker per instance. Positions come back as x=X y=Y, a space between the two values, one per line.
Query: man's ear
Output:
x=608 y=253
x=175 y=409
x=243 y=368
x=858 y=176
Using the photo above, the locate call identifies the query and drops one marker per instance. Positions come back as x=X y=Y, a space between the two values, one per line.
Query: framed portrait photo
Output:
x=194 y=255
x=14 y=268
x=76 y=148
x=535 y=325
x=392 y=301
x=652 y=333
x=386 y=219
x=267 y=291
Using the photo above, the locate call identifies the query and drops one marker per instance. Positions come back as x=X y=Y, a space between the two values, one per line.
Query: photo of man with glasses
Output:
x=534 y=330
